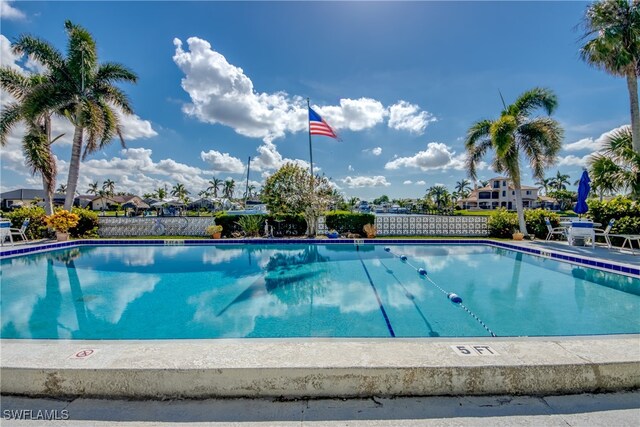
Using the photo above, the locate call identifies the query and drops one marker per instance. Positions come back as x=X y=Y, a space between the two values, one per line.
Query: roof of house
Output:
x=23 y=194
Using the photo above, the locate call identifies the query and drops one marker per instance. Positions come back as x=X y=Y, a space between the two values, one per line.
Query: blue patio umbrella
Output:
x=583 y=192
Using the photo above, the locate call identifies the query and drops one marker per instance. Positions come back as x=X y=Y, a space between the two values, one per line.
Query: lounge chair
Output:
x=20 y=232
x=605 y=233
x=561 y=231
x=628 y=238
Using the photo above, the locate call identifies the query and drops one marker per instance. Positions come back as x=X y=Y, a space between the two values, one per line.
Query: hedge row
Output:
x=347 y=222
x=37 y=229
x=503 y=223
x=283 y=225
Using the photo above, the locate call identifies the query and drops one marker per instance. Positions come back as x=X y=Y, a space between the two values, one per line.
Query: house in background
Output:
x=26 y=196
x=500 y=193
x=105 y=203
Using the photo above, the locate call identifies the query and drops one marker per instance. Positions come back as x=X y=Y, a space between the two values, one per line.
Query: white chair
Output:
x=5 y=231
x=20 y=232
x=561 y=231
x=605 y=233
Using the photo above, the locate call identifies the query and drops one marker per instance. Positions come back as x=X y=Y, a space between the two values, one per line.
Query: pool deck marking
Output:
x=375 y=291
x=474 y=350
x=82 y=354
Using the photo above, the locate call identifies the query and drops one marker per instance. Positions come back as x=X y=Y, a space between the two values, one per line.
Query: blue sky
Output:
x=401 y=82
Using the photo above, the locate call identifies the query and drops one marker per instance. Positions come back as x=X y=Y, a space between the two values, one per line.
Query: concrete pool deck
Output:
x=296 y=368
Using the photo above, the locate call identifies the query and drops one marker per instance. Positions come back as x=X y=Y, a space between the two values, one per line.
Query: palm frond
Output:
x=93 y=121
x=15 y=83
x=541 y=141
x=112 y=72
x=82 y=55
x=475 y=153
x=40 y=50
x=10 y=115
x=37 y=153
x=116 y=97
x=533 y=99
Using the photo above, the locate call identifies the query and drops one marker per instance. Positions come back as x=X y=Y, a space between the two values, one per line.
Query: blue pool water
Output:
x=300 y=290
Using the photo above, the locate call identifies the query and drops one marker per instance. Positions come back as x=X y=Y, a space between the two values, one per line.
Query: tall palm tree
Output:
x=617 y=166
x=214 y=185
x=93 y=188
x=229 y=186
x=180 y=192
x=516 y=134
x=109 y=186
x=559 y=182
x=62 y=188
x=82 y=90
x=612 y=35
x=36 y=143
x=463 y=188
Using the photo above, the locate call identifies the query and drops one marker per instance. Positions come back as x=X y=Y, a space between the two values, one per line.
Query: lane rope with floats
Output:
x=451 y=296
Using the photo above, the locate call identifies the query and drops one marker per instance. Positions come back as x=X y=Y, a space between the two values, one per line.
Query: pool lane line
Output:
x=375 y=291
x=412 y=298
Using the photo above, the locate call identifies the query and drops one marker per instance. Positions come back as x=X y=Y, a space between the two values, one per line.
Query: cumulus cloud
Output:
x=221 y=93
x=408 y=182
x=222 y=162
x=590 y=143
x=572 y=160
x=406 y=116
x=269 y=159
x=421 y=183
x=436 y=156
x=7 y=11
x=365 y=181
x=375 y=151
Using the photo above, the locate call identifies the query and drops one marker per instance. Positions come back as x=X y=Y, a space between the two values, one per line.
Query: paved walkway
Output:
x=615 y=254
x=610 y=410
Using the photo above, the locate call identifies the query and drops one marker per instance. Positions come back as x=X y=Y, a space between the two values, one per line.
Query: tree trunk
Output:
x=518 y=190
x=632 y=84
x=48 y=196
x=74 y=167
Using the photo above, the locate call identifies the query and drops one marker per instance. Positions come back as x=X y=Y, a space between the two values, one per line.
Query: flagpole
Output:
x=310 y=150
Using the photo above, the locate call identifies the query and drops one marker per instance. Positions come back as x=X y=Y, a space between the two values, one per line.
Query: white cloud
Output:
x=375 y=151
x=572 y=160
x=408 y=182
x=9 y=12
x=222 y=162
x=590 y=143
x=421 y=183
x=405 y=116
x=269 y=159
x=436 y=156
x=221 y=93
x=365 y=181
x=133 y=127
x=354 y=114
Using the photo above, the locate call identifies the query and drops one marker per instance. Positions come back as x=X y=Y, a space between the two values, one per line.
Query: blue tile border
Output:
x=545 y=253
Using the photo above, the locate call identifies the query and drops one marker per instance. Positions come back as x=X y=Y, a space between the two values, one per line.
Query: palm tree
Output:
x=93 y=188
x=180 y=192
x=463 y=188
x=204 y=194
x=353 y=201
x=544 y=184
x=229 y=186
x=250 y=189
x=559 y=182
x=82 y=90
x=484 y=183
x=612 y=31
x=61 y=189
x=515 y=134
x=617 y=166
x=439 y=194
x=214 y=185
x=162 y=192
x=109 y=186
x=37 y=141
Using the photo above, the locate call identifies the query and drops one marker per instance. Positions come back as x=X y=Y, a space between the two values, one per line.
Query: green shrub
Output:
x=536 y=224
x=347 y=222
x=616 y=208
x=288 y=225
x=87 y=226
x=251 y=224
x=37 y=228
x=502 y=223
x=229 y=223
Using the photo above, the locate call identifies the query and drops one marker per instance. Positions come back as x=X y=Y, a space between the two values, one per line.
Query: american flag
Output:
x=317 y=125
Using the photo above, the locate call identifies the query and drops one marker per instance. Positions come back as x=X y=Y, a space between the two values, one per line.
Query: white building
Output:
x=499 y=193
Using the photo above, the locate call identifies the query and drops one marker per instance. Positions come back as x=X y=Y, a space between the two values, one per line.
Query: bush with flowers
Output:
x=62 y=220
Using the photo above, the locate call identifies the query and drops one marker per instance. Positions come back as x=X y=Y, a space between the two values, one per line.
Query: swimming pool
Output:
x=307 y=290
